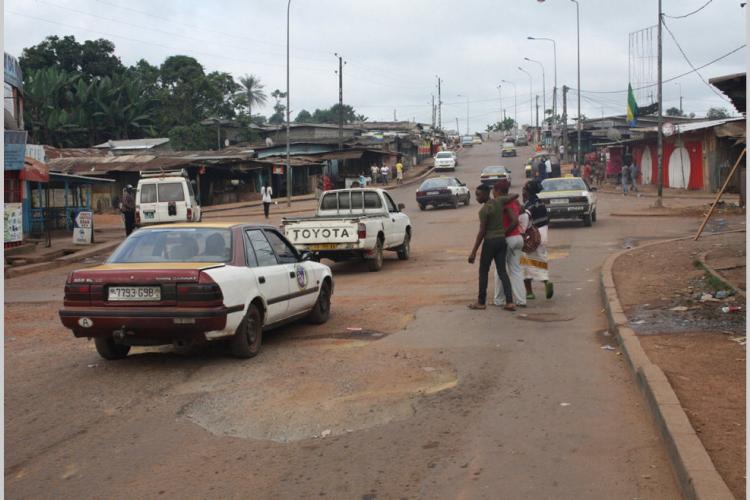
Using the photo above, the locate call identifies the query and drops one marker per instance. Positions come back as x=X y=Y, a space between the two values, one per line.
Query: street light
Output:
x=515 y=106
x=544 y=84
x=467 y=113
x=554 y=89
x=578 y=38
x=531 y=96
x=500 y=91
x=288 y=162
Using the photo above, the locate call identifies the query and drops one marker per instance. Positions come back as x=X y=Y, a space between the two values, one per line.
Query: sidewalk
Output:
x=650 y=191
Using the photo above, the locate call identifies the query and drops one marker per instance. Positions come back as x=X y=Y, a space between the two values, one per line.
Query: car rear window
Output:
x=148 y=193
x=171 y=191
x=445 y=155
x=371 y=200
x=495 y=170
x=433 y=184
x=175 y=245
x=566 y=184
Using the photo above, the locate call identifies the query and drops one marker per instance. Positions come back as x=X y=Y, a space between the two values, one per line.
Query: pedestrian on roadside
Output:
x=634 y=171
x=491 y=237
x=385 y=173
x=541 y=169
x=575 y=171
x=266 y=193
x=535 y=264
x=547 y=167
x=128 y=209
x=319 y=186
x=561 y=149
x=374 y=173
x=514 y=243
x=625 y=178
x=362 y=180
x=587 y=172
x=399 y=172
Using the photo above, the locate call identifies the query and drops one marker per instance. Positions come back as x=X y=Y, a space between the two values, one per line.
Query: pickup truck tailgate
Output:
x=310 y=232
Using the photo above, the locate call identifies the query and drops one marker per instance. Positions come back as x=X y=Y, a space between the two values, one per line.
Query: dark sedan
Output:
x=443 y=191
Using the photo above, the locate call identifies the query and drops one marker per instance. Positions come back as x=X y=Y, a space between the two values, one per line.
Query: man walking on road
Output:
x=625 y=178
x=514 y=244
x=491 y=237
x=266 y=192
x=128 y=209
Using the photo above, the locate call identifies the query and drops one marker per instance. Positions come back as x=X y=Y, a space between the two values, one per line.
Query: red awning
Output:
x=34 y=171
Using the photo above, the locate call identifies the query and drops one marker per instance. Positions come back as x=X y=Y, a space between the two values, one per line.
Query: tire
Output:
x=422 y=207
x=376 y=264
x=593 y=216
x=587 y=220
x=249 y=335
x=404 y=251
x=322 y=309
x=454 y=203
x=468 y=199
x=109 y=349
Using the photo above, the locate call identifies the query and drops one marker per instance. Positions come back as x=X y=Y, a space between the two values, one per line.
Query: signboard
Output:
x=83 y=228
x=13 y=218
x=278 y=169
x=667 y=129
x=14 y=149
x=13 y=75
x=603 y=124
x=36 y=151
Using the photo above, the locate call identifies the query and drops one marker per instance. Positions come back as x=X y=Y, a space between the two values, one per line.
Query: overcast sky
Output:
x=395 y=48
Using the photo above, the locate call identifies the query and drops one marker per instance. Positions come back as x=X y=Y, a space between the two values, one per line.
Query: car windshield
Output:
x=175 y=245
x=564 y=184
x=434 y=184
x=508 y=145
x=495 y=170
x=445 y=155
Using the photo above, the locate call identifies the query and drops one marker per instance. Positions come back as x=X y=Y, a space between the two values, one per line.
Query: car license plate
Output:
x=575 y=209
x=432 y=193
x=134 y=293
x=559 y=201
x=149 y=215
x=324 y=246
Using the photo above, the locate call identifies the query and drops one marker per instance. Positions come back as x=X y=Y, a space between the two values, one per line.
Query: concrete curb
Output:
x=634 y=214
x=669 y=195
x=695 y=472
x=715 y=273
x=13 y=272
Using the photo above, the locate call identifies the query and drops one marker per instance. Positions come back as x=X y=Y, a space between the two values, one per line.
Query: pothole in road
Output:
x=545 y=317
x=294 y=394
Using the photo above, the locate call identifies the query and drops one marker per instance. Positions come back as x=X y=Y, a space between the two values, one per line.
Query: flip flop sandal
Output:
x=549 y=288
x=509 y=307
x=476 y=306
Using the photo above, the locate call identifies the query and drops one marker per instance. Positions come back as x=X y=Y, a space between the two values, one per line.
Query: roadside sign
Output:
x=83 y=228
x=667 y=129
x=278 y=169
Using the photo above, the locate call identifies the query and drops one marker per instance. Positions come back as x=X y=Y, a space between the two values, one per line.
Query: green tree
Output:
x=253 y=92
x=279 y=109
x=303 y=116
x=92 y=59
x=195 y=136
x=717 y=113
x=48 y=96
x=673 y=111
x=184 y=88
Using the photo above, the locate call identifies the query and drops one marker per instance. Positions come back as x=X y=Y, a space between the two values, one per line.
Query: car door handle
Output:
x=292 y=274
x=262 y=280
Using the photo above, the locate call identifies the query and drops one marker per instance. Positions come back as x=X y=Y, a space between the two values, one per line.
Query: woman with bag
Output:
x=535 y=259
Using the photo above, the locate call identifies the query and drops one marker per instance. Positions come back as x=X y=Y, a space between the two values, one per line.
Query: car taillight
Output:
x=137 y=216
x=77 y=294
x=204 y=293
x=421 y=193
x=579 y=199
x=361 y=231
x=189 y=214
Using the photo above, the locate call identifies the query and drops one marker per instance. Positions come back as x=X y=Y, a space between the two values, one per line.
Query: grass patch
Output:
x=716 y=283
x=697 y=264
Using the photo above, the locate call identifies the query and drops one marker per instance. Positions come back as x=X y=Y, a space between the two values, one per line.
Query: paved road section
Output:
x=428 y=400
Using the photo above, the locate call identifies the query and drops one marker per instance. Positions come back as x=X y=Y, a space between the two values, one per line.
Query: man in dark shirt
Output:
x=491 y=236
x=128 y=209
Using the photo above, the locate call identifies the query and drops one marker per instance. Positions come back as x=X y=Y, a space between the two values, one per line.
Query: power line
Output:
x=668 y=79
x=690 y=13
x=691 y=64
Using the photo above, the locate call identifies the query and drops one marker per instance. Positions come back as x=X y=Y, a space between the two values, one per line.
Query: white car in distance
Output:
x=445 y=160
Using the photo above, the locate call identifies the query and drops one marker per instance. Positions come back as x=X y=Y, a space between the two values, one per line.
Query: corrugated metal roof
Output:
x=682 y=128
x=133 y=143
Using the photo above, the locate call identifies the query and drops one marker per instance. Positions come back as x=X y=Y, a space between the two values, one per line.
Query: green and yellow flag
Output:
x=632 y=108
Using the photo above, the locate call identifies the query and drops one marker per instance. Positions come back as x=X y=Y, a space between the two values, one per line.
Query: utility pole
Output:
x=500 y=91
x=433 y=111
x=341 y=101
x=289 y=184
x=537 y=118
x=394 y=115
x=659 y=138
x=458 y=130
x=440 y=107
x=565 y=119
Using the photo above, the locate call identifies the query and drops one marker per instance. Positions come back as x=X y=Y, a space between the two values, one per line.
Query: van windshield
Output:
x=171 y=191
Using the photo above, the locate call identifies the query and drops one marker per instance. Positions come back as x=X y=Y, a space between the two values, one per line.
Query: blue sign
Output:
x=15 y=149
x=13 y=75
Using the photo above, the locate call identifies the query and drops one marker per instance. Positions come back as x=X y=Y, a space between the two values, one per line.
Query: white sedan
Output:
x=569 y=198
x=192 y=283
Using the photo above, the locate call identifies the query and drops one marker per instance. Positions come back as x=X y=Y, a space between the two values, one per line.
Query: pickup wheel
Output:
x=376 y=264
x=587 y=220
x=454 y=203
x=322 y=309
x=593 y=216
x=404 y=251
x=422 y=207
x=109 y=349
x=247 y=339
x=468 y=199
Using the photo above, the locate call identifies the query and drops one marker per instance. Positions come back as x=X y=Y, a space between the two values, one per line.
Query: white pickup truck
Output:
x=353 y=224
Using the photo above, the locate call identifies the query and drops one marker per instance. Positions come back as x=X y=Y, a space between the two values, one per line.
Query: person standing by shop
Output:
x=625 y=178
x=374 y=173
x=385 y=173
x=128 y=209
x=399 y=172
x=266 y=193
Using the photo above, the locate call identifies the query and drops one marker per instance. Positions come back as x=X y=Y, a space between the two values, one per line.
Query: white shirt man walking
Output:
x=266 y=192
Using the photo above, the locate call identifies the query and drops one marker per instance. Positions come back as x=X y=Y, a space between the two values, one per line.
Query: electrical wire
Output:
x=691 y=64
x=690 y=13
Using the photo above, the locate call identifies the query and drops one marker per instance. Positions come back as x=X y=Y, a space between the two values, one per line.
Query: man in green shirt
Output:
x=491 y=236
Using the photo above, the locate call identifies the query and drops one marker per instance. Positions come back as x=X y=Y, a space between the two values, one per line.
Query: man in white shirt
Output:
x=266 y=192
x=385 y=173
x=562 y=151
x=548 y=168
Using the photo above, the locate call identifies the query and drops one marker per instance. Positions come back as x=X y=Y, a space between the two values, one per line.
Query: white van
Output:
x=163 y=197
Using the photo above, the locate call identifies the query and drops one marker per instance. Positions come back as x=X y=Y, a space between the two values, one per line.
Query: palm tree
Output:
x=253 y=92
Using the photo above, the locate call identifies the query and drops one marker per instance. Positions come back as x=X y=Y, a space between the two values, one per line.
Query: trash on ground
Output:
x=739 y=340
x=606 y=333
x=93 y=365
x=707 y=297
x=639 y=322
x=564 y=404
x=353 y=329
x=608 y=348
x=428 y=369
x=325 y=433
x=723 y=294
x=679 y=308
x=731 y=309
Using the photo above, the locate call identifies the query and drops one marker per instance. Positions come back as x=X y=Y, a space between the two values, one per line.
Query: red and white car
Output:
x=196 y=282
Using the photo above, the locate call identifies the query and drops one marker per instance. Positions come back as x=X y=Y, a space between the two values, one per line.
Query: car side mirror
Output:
x=593 y=189
x=306 y=256
x=401 y=206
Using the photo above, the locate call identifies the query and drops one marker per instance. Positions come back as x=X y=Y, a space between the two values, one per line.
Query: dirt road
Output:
x=430 y=400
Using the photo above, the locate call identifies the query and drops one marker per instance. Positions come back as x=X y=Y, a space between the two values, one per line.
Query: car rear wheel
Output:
x=593 y=216
x=454 y=203
x=587 y=220
x=467 y=200
x=376 y=263
x=322 y=309
x=249 y=335
x=109 y=349
x=422 y=207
